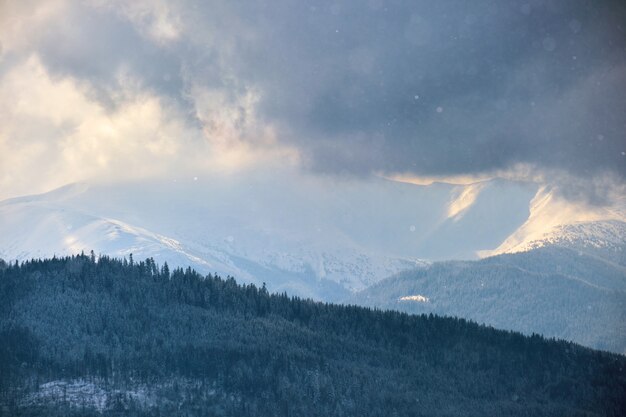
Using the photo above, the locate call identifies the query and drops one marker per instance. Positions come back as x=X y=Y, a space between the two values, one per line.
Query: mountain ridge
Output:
x=557 y=292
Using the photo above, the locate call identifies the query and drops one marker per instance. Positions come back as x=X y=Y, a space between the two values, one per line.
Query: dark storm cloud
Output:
x=428 y=87
x=437 y=88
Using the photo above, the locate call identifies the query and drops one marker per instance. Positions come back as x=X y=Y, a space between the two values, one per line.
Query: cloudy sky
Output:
x=419 y=90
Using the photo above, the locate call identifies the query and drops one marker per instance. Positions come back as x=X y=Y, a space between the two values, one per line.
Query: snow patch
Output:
x=417 y=297
x=80 y=393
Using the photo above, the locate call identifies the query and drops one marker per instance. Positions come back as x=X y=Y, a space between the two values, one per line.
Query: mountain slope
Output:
x=604 y=239
x=555 y=221
x=324 y=238
x=81 y=336
x=553 y=291
x=62 y=231
x=593 y=269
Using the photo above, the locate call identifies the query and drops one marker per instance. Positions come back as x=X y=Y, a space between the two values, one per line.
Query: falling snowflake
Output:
x=549 y=44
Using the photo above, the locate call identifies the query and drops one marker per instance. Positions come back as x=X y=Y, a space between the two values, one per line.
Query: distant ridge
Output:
x=554 y=291
x=300 y=234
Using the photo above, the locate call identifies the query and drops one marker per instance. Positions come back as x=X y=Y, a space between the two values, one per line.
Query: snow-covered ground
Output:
x=97 y=394
x=82 y=394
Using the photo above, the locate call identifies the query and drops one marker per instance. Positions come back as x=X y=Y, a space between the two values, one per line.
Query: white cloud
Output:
x=53 y=133
x=155 y=19
x=21 y=22
x=74 y=114
x=231 y=127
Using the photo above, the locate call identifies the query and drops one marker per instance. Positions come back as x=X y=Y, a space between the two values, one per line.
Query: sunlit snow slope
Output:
x=553 y=221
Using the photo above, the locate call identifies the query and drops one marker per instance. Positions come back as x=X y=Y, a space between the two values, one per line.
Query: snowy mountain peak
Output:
x=554 y=220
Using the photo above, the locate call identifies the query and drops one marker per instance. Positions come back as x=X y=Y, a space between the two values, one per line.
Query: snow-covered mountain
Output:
x=604 y=239
x=52 y=229
x=306 y=235
x=55 y=230
x=553 y=221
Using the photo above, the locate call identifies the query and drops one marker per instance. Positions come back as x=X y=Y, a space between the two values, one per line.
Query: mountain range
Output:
x=549 y=266
x=315 y=238
x=304 y=235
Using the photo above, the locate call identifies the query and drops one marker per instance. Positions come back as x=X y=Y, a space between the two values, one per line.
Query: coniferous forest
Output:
x=99 y=336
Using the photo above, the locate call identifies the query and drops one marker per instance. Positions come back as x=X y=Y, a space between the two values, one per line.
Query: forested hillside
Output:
x=82 y=336
x=554 y=291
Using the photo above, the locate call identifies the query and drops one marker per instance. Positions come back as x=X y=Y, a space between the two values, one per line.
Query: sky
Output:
x=112 y=90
